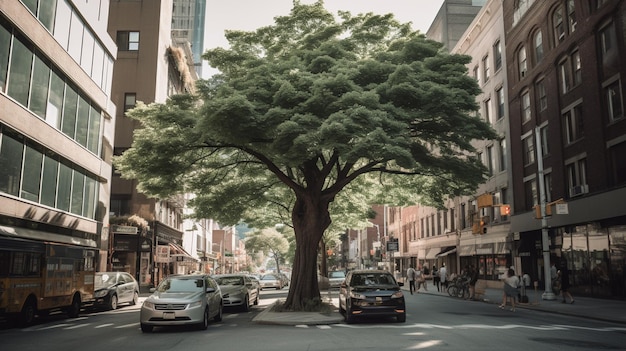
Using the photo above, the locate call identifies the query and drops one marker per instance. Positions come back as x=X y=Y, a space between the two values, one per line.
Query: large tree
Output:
x=304 y=108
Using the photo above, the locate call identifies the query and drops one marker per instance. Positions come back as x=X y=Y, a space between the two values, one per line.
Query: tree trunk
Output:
x=310 y=218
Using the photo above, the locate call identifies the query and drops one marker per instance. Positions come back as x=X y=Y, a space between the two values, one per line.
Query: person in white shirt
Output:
x=511 y=283
x=443 y=276
x=410 y=276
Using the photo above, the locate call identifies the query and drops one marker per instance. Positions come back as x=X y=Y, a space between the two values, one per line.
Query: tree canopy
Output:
x=304 y=109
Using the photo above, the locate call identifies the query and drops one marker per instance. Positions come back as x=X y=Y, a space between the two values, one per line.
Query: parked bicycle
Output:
x=459 y=287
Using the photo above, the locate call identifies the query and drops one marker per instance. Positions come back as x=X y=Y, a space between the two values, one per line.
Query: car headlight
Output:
x=356 y=295
x=100 y=293
x=195 y=304
x=397 y=295
x=148 y=304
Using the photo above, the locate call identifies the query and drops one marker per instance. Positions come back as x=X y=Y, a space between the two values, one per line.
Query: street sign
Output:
x=562 y=209
x=392 y=246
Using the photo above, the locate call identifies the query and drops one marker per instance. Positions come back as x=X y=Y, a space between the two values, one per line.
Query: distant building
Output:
x=452 y=20
x=188 y=23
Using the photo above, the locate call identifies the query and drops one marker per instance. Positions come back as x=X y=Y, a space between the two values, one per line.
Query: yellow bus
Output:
x=38 y=277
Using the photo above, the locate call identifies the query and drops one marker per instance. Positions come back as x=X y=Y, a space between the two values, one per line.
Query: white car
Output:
x=238 y=290
x=335 y=278
x=181 y=300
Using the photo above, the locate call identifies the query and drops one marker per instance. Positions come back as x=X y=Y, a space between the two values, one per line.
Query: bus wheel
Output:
x=27 y=315
x=74 y=308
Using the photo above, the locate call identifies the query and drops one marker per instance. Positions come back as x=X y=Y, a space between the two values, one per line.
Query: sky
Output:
x=251 y=14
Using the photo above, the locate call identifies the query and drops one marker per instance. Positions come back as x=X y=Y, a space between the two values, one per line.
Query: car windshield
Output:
x=229 y=281
x=181 y=285
x=338 y=274
x=372 y=279
x=104 y=280
x=269 y=277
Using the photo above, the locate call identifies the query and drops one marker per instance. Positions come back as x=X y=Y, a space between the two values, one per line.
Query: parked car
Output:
x=271 y=280
x=366 y=293
x=256 y=283
x=114 y=288
x=335 y=278
x=181 y=300
x=238 y=290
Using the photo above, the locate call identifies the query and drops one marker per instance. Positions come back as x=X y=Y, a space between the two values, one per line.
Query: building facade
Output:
x=568 y=139
x=56 y=122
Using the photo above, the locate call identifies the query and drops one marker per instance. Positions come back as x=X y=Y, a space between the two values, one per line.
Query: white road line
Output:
x=103 y=325
x=127 y=325
x=77 y=326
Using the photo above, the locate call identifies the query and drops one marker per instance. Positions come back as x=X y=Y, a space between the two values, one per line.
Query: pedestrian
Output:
x=555 y=279
x=425 y=277
x=473 y=278
x=436 y=278
x=511 y=284
x=565 y=283
x=443 y=276
x=410 y=276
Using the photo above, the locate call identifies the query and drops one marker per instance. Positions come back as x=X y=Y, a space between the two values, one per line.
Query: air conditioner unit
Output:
x=578 y=190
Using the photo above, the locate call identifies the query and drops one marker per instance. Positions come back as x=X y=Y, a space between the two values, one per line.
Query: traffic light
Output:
x=482 y=226
x=505 y=210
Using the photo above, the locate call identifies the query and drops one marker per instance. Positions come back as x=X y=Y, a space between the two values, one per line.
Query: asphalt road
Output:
x=433 y=323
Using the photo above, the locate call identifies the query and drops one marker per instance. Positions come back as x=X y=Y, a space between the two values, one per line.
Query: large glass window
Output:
x=64 y=187
x=78 y=191
x=76 y=37
x=5 y=48
x=93 y=142
x=39 y=87
x=86 y=60
x=54 y=110
x=70 y=107
x=614 y=101
x=11 y=152
x=47 y=12
x=19 y=75
x=82 y=122
x=526 y=111
x=49 y=182
x=538 y=46
x=32 y=174
x=90 y=199
x=62 y=21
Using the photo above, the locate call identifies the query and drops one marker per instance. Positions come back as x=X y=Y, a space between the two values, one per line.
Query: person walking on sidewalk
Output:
x=420 y=278
x=473 y=278
x=436 y=278
x=511 y=283
x=410 y=276
x=443 y=276
x=565 y=283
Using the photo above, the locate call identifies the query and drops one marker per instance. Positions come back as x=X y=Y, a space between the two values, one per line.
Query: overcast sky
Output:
x=252 y=14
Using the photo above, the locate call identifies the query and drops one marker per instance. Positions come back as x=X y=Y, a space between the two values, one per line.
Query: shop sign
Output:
x=162 y=254
x=123 y=229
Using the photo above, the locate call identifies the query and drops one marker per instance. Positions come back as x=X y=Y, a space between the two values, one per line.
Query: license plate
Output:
x=169 y=315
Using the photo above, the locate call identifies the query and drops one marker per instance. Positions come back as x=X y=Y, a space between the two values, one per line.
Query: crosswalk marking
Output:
x=77 y=326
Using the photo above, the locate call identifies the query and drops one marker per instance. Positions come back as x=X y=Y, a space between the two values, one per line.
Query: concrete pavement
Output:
x=584 y=307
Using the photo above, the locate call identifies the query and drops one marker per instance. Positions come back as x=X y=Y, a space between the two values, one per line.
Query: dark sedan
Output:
x=371 y=293
x=114 y=288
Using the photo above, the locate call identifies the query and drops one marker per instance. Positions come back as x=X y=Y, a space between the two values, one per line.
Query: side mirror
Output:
x=400 y=284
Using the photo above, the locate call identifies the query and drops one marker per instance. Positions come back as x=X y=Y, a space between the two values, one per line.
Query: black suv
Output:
x=371 y=293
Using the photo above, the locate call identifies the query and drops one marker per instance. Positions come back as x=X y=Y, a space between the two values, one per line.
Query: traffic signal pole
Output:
x=545 y=238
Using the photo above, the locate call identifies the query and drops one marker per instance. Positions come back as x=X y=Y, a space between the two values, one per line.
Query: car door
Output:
x=252 y=292
x=125 y=288
x=214 y=299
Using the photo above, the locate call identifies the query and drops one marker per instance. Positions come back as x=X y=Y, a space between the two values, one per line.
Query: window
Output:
x=20 y=70
x=5 y=48
x=607 y=38
x=531 y=194
x=538 y=46
x=39 y=87
x=476 y=73
x=488 y=110
x=486 y=73
x=565 y=76
x=32 y=167
x=618 y=163
x=128 y=41
x=576 y=68
x=521 y=6
x=615 y=105
x=500 y=102
x=523 y=64
x=547 y=182
x=577 y=176
x=529 y=150
x=558 y=25
x=497 y=55
x=130 y=100
x=526 y=112
x=11 y=151
x=573 y=124
x=70 y=106
x=49 y=181
x=571 y=16
x=491 y=160
x=542 y=97
x=503 y=154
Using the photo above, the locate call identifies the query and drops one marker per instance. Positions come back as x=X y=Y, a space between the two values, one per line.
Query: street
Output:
x=433 y=322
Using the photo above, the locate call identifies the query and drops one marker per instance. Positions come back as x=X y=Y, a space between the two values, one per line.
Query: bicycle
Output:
x=459 y=287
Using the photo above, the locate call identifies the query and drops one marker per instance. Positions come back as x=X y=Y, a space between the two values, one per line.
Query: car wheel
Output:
x=74 y=310
x=205 y=320
x=113 y=302
x=401 y=318
x=349 y=317
x=27 y=314
x=246 y=304
x=146 y=328
x=135 y=299
x=218 y=316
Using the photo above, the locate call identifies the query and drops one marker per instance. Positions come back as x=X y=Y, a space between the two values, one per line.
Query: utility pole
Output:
x=545 y=238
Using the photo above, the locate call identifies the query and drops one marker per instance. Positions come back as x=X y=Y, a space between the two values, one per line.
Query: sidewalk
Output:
x=584 y=307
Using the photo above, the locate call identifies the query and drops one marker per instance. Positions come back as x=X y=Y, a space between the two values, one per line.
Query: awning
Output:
x=179 y=254
x=446 y=251
x=432 y=253
x=18 y=232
